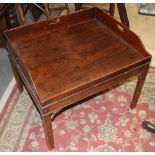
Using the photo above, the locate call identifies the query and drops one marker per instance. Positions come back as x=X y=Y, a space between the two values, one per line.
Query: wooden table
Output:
x=70 y=58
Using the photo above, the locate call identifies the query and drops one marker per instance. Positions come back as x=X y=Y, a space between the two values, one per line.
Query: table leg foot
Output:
x=47 y=125
x=139 y=86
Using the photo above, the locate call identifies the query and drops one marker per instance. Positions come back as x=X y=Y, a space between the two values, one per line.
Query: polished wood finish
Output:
x=47 y=125
x=121 y=9
x=17 y=77
x=72 y=57
x=139 y=86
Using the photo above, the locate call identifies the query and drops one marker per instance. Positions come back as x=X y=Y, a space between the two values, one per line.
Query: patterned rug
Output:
x=103 y=123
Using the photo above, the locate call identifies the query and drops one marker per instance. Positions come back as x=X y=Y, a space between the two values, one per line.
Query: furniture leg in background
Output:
x=8 y=20
x=36 y=10
x=121 y=9
x=11 y=16
x=78 y=6
x=123 y=14
x=112 y=9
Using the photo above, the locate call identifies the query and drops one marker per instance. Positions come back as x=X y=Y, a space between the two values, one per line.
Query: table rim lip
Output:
x=47 y=103
x=122 y=70
x=136 y=63
x=44 y=102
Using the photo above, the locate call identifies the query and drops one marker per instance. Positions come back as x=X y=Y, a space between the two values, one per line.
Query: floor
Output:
x=143 y=26
x=5 y=70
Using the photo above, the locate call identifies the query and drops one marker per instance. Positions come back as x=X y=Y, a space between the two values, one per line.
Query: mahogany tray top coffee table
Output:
x=69 y=58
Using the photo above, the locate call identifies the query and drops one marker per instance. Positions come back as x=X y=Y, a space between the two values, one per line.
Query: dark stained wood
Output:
x=3 y=27
x=47 y=125
x=17 y=77
x=8 y=19
x=123 y=14
x=72 y=57
x=11 y=16
x=112 y=9
x=76 y=63
x=139 y=86
x=121 y=9
x=78 y=6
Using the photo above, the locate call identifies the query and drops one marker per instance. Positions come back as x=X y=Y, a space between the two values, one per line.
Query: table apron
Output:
x=26 y=82
x=109 y=83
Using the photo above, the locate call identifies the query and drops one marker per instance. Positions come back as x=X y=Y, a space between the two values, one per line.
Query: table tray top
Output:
x=73 y=52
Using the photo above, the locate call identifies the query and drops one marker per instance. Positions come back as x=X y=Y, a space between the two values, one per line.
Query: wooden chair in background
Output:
x=121 y=9
x=44 y=9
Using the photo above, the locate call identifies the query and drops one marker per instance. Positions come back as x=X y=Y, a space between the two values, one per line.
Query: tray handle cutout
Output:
x=120 y=28
x=54 y=21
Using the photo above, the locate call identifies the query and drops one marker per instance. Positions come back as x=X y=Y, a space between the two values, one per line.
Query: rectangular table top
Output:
x=61 y=61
